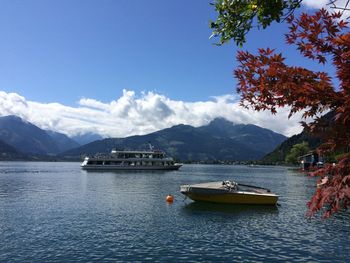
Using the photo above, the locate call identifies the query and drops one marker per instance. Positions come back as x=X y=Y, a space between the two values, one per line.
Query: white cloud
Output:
x=328 y=5
x=315 y=4
x=136 y=115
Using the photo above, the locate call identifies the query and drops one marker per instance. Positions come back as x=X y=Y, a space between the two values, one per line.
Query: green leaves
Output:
x=297 y=151
x=237 y=17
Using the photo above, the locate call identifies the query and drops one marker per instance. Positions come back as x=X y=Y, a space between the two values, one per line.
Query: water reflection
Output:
x=65 y=214
x=195 y=207
x=125 y=171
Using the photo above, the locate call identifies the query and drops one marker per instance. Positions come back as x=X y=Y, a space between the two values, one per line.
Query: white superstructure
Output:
x=131 y=160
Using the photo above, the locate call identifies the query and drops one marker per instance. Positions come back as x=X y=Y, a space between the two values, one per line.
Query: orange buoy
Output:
x=170 y=198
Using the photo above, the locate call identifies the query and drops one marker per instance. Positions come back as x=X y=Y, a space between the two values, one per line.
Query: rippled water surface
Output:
x=56 y=212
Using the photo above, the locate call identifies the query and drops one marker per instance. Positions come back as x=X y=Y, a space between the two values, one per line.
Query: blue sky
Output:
x=64 y=50
x=81 y=53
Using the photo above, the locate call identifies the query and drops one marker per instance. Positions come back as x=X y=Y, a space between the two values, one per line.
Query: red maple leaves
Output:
x=265 y=82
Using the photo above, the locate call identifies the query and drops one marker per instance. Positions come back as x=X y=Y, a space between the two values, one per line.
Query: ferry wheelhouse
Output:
x=131 y=160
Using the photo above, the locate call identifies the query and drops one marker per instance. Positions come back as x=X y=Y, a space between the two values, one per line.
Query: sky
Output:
x=121 y=67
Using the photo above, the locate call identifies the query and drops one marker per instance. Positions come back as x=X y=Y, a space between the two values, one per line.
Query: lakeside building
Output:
x=311 y=161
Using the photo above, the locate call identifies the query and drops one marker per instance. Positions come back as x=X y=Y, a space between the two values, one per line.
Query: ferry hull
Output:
x=129 y=168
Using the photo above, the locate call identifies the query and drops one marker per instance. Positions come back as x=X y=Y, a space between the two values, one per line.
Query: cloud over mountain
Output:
x=135 y=115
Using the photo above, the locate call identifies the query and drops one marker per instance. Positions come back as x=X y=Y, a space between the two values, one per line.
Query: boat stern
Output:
x=85 y=162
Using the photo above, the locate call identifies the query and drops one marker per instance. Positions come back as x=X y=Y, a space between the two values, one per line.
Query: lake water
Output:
x=58 y=213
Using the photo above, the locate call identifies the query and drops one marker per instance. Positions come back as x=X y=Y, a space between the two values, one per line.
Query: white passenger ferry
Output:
x=131 y=160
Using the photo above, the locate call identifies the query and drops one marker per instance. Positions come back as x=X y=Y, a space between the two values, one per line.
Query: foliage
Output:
x=297 y=150
x=278 y=155
x=236 y=17
x=265 y=82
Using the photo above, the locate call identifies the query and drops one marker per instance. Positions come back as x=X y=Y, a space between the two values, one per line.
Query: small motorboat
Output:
x=229 y=192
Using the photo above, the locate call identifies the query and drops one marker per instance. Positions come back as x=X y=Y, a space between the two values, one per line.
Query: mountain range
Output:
x=7 y=152
x=27 y=138
x=279 y=154
x=86 y=138
x=219 y=140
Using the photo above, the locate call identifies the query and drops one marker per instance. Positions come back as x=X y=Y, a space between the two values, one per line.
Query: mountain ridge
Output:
x=27 y=138
x=186 y=142
x=218 y=140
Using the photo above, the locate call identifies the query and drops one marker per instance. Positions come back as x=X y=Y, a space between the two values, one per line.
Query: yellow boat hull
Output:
x=216 y=192
x=235 y=198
